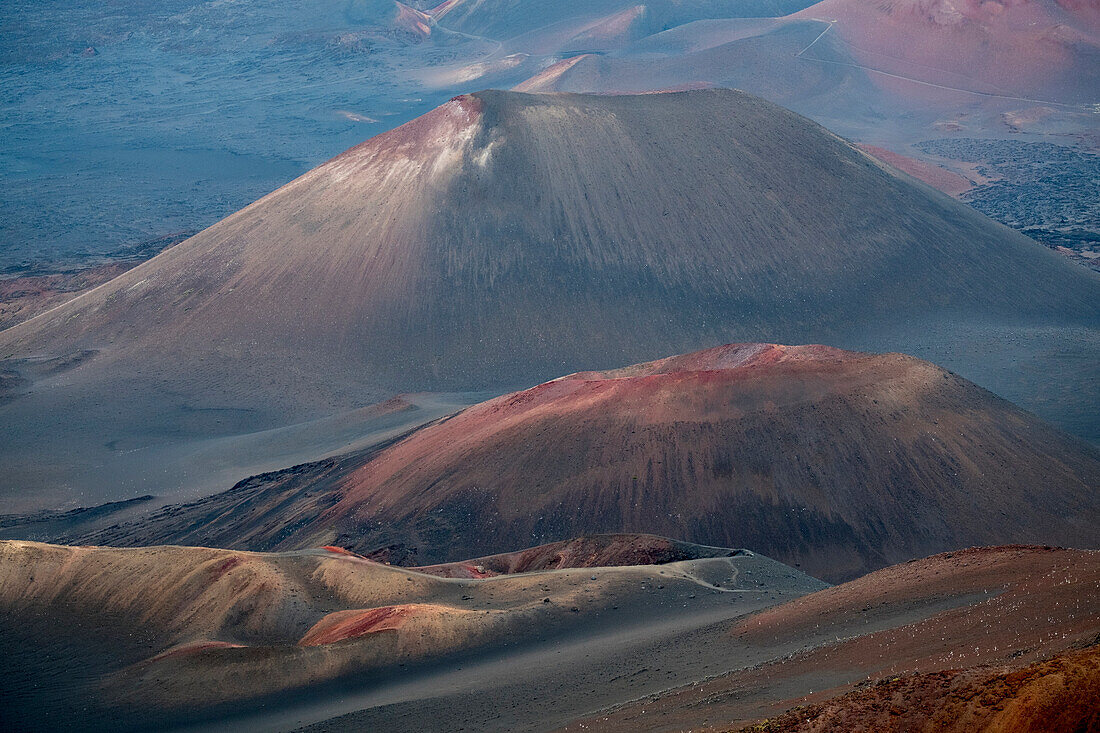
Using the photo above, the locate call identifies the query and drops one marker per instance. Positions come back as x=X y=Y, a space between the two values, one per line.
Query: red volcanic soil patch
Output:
x=22 y=298
x=186 y=650
x=1060 y=695
x=730 y=356
x=445 y=122
x=612 y=550
x=341 y=551
x=935 y=176
x=359 y=622
x=220 y=569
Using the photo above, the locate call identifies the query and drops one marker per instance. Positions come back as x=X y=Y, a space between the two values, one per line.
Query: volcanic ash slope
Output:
x=125 y=639
x=835 y=461
x=955 y=642
x=506 y=238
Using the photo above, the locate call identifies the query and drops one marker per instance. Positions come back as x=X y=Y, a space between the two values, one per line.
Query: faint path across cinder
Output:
x=829 y=27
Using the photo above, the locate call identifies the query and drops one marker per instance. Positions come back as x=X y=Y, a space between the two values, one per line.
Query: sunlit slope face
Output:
x=837 y=461
x=1034 y=50
x=507 y=238
x=102 y=638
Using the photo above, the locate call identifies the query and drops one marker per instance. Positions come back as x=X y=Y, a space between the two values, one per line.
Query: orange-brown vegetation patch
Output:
x=935 y=176
x=360 y=622
x=1060 y=695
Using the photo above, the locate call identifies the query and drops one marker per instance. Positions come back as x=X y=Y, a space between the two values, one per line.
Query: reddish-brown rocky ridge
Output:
x=608 y=550
x=1059 y=695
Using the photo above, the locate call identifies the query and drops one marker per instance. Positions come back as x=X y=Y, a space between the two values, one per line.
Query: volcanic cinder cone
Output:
x=506 y=238
x=835 y=461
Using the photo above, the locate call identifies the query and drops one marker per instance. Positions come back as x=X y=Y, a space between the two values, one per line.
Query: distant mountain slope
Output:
x=506 y=19
x=1041 y=50
x=506 y=238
